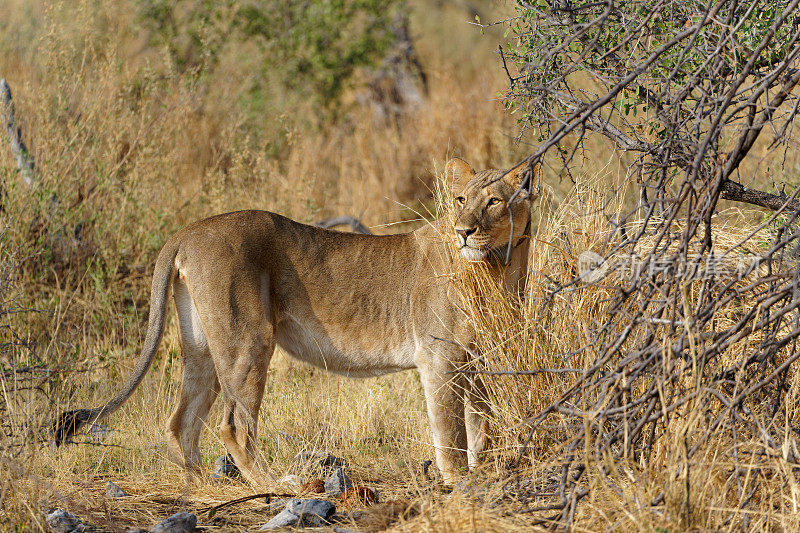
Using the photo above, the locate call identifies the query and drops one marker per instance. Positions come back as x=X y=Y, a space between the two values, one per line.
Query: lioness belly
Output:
x=310 y=342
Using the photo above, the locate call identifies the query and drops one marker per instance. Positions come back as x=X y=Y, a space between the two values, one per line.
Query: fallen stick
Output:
x=267 y=495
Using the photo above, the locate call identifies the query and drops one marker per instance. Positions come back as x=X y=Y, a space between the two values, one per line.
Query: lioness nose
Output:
x=465 y=232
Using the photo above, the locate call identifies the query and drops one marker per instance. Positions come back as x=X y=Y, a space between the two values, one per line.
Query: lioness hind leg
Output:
x=242 y=385
x=199 y=389
x=237 y=320
x=199 y=386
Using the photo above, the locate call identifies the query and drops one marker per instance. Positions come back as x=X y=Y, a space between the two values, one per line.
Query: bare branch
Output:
x=737 y=192
x=344 y=220
x=24 y=160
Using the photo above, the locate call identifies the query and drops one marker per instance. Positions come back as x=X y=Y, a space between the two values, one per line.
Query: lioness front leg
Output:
x=476 y=413
x=444 y=399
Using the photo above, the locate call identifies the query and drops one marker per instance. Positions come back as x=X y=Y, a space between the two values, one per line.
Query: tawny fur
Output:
x=357 y=305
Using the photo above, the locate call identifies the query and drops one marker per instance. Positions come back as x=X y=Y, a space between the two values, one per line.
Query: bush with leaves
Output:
x=309 y=48
x=688 y=85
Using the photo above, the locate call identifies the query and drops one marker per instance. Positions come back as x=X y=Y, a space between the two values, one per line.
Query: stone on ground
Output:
x=60 y=521
x=114 y=491
x=302 y=513
x=338 y=482
x=182 y=522
x=225 y=468
x=319 y=461
x=285 y=518
x=291 y=482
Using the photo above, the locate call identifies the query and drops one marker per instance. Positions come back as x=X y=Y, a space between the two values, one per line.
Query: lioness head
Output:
x=484 y=208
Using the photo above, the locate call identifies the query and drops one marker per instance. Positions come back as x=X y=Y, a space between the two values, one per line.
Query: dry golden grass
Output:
x=133 y=150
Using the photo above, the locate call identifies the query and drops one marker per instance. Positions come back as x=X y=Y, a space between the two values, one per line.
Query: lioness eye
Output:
x=460 y=200
x=494 y=201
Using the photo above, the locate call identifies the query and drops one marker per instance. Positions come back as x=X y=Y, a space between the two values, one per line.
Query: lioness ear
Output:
x=458 y=173
x=516 y=178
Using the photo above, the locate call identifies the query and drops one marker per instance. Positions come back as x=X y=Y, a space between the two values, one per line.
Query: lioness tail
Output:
x=69 y=422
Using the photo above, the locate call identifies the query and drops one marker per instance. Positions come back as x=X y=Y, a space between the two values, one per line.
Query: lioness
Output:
x=357 y=305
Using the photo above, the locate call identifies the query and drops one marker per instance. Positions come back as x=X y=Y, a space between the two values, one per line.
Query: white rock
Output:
x=285 y=518
x=302 y=513
x=182 y=522
x=312 y=512
x=291 y=482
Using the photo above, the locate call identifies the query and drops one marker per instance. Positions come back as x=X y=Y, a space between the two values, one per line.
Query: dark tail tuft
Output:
x=70 y=422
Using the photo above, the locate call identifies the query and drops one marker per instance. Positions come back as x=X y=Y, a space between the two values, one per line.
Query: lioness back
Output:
x=341 y=301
